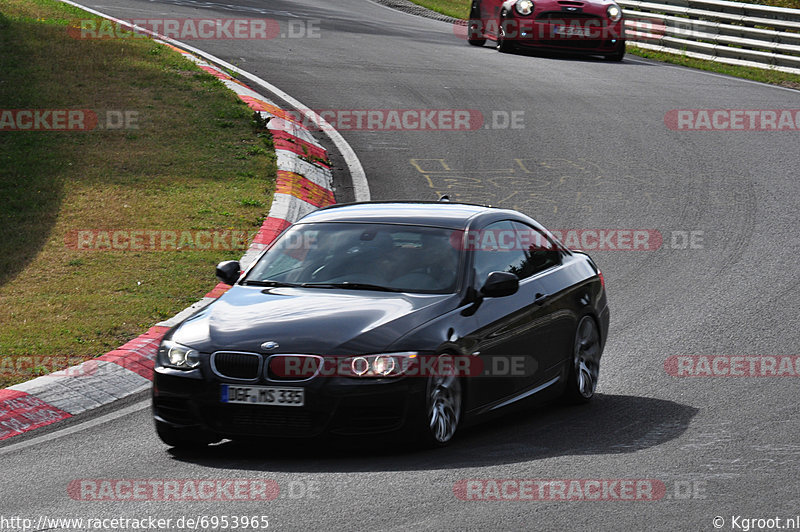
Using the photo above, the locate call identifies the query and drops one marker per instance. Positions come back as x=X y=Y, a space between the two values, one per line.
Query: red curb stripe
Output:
x=132 y=362
x=138 y=354
x=21 y=412
x=284 y=141
x=302 y=188
x=218 y=290
x=270 y=230
x=216 y=73
x=260 y=105
x=156 y=331
x=184 y=52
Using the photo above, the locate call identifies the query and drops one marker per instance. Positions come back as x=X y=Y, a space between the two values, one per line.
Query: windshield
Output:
x=402 y=258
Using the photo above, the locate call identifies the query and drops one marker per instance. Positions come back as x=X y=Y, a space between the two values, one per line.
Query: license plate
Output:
x=262 y=395
x=571 y=31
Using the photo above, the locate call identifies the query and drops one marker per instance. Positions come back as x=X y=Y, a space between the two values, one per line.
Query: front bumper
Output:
x=333 y=405
x=590 y=36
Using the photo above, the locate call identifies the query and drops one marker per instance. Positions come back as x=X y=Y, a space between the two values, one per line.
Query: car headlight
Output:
x=382 y=365
x=174 y=355
x=614 y=13
x=524 y=7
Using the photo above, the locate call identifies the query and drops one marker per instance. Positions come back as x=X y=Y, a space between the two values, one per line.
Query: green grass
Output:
x=460 y=9
x=451 y=8
x=763 y=75
x=793 y=4
x=197 y=160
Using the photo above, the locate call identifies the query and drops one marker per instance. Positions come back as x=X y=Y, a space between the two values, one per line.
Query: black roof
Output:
x=430 y=213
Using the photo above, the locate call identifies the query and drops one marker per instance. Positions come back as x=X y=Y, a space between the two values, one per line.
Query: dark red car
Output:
x=594 y=27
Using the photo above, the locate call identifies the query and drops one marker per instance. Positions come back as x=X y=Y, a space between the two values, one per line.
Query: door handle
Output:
x=540 y=299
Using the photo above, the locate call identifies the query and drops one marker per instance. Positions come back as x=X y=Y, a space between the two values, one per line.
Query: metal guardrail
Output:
x=717 y=30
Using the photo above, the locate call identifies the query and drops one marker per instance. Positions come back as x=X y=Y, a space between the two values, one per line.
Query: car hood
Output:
x=309 y=320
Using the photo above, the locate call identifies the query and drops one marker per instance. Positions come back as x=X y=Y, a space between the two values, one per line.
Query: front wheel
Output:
x=475 y=29
x=618 y=54
x=443 y=399
x=585 y=364
x=504 y=44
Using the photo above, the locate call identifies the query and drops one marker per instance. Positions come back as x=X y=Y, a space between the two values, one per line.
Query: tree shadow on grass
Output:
x=31 y=190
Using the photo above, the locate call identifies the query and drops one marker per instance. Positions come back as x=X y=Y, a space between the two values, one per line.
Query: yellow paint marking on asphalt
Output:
x=531 y=185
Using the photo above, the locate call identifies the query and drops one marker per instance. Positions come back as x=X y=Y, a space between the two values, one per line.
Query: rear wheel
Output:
x=585 y=367
x=475 y=29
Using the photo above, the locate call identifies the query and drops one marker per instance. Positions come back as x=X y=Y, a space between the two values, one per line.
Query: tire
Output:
x=475 y=29
x=503 y=44
x=443 y=405
x=584 y=368
x=618 y=54
x=183 y=438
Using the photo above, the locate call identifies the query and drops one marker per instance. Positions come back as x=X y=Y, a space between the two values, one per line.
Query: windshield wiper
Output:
x=253 y=282
x=346 y=285
x=351 y=286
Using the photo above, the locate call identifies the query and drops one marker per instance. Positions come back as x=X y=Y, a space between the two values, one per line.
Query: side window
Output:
x=540 y=252
x=496 y=250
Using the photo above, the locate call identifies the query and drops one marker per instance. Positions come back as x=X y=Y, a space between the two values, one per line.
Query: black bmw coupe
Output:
x=378 y=317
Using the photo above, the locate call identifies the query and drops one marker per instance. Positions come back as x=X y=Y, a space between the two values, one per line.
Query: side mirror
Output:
x=500 y=284
x=228 y=271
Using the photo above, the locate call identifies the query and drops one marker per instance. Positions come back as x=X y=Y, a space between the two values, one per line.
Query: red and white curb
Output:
x=304 y=183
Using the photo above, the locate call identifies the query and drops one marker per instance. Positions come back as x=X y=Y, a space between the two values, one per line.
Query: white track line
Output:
x=77 y=428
